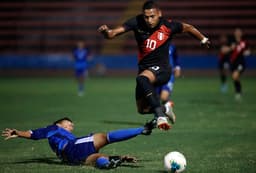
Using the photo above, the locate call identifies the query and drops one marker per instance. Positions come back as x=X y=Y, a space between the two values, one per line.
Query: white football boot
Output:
x=169 y=111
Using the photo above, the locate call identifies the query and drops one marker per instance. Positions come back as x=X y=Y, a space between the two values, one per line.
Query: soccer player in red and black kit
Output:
x=153 y=34
x=237 y=60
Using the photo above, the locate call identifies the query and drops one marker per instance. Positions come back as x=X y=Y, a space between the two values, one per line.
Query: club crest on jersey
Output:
x=160 y=36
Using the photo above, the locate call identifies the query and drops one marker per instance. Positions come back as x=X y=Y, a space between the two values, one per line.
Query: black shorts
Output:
x=238 y=66
x=162 y=75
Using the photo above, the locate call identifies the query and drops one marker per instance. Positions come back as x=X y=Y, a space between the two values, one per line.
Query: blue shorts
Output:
x=167 y=87
x=80 y=72
x=80 y=69
x=76 y=152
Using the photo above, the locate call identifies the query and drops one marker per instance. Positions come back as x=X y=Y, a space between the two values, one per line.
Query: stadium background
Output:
x=36 y=36
x=215 y=132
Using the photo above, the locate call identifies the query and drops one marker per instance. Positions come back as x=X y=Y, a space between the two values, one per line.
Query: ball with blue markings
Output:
x=175 y=162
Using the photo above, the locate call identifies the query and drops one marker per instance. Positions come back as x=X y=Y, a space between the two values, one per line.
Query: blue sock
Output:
x=102 y=163
x=81 y=87
x=123 y=134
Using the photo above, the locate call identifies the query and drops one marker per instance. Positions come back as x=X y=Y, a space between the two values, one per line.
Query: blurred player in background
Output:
x=83 y=150
x=166 y=90
x=153 y=34
x=240 y=49
x=80 y=55
x=224 y=61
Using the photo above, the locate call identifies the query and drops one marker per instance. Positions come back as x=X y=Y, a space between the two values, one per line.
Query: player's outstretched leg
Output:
x=124 y=134
x=103 y=139
x=151 y=97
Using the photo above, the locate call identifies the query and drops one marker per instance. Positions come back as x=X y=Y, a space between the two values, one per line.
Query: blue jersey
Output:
x=173 y=56
x=80 y=56
x=57 y=137
x=174 y=62
x=66 y=146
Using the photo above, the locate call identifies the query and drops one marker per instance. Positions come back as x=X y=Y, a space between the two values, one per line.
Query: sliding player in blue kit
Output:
x=82 y=150
x=153 y=34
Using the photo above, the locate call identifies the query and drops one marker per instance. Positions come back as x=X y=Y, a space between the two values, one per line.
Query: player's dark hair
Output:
x=149 y=5
x=62 y=119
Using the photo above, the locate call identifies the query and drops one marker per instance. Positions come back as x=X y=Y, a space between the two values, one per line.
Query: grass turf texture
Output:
x=215 y=133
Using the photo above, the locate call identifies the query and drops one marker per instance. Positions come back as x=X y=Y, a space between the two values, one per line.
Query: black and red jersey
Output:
x=238 y=52
x=153 y=44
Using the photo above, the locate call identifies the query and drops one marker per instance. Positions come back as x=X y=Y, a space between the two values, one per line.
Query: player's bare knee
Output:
x=100 y=140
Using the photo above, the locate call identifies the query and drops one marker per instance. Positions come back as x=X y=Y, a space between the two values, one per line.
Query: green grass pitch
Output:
x=213 y=131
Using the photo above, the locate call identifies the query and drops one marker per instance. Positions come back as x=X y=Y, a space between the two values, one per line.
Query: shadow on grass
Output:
x=131 y=166
x=145 y=160
x=122 y=122
x=54 y=161
x=46 y=160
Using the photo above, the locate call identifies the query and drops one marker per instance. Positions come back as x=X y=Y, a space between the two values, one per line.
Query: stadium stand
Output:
x=54 y=26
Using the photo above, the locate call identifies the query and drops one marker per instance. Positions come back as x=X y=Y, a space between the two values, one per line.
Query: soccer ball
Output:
x=175 y=162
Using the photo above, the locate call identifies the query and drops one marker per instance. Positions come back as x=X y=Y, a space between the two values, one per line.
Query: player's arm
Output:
x=40 y=133
x=13 y=133
x=187 y=28
x=247 y=51
x=225 y=49
x=111 y=33
x=177 y=71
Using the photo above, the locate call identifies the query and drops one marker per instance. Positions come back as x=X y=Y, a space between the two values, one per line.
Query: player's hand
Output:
x=9 y=133
x=177 y=72
x=103 y=28
x=205 y=42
